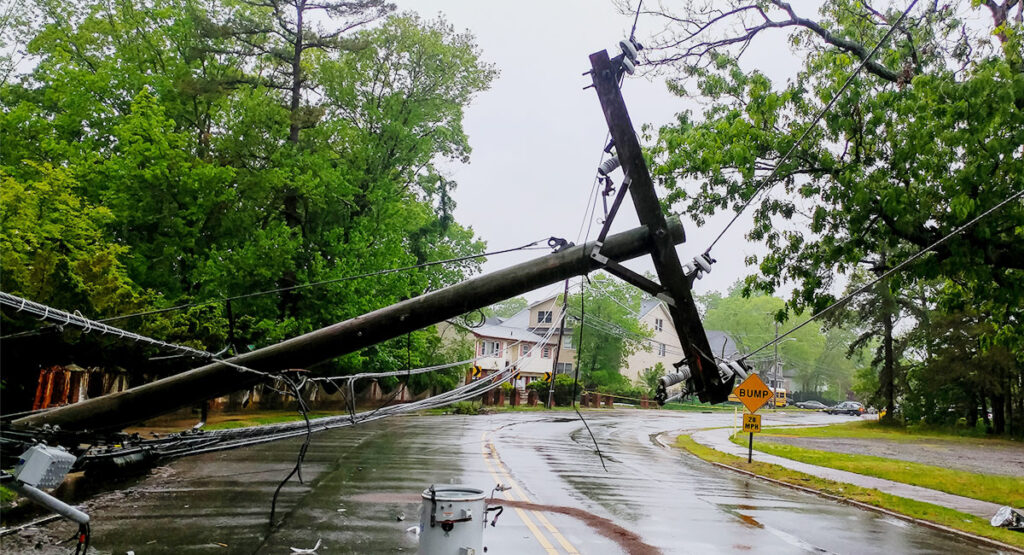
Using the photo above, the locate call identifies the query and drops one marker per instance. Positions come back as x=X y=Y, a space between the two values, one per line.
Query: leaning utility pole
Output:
x=117 y=410
x=703 y=375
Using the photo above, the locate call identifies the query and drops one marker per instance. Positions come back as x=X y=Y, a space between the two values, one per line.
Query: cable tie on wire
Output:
x=85 y=322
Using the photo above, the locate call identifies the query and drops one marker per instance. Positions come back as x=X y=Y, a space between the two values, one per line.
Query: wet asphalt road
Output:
x=360 y=481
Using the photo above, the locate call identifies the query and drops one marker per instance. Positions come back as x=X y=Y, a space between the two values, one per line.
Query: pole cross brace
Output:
x=629 y=276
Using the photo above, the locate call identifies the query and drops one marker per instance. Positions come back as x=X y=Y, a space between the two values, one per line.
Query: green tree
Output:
x=606 y=330
x=962 y=377
x=925 y=140
x=816 y=356
x=53 y=249
x=649 y=377
x=895 y=164
x=178 y=118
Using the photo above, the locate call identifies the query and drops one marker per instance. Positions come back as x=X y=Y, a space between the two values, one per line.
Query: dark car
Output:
x=813 y=405
x=853 y=408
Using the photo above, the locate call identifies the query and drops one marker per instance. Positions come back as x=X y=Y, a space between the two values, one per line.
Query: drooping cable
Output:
x=297 y=469
x=888 y=273
x=813 y=124
x=576 y=381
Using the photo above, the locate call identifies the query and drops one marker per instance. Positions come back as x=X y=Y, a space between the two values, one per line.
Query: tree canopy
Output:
x=610 y=330
x=921 y=143
x=168 y=152
x=815 y=357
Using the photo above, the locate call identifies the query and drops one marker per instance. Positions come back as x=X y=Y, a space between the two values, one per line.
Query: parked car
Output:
x=812 y=405
x=852 y=408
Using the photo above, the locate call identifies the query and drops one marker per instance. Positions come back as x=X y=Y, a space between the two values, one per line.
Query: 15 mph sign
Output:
x=753 y=393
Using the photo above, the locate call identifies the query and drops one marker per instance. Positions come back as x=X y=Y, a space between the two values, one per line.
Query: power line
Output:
x=632 y=32
x=891 y=271
x=813 y=124
x=64 y=318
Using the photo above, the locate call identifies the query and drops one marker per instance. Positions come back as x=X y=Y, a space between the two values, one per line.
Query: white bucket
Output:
x=458 y=521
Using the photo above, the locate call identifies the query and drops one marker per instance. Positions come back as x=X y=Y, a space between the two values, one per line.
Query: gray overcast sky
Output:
x=537 y=135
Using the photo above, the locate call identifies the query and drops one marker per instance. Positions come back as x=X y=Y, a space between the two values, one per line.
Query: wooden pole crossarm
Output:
x=707 y=381
x=213 y=380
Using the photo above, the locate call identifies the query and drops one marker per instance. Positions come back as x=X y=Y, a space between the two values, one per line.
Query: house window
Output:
x=543 y=316
x=661 y=349
x=563 y=367
x=546 y=352
x=524 y=350
x=490 y=348
x=659 y=324
x=567 y=342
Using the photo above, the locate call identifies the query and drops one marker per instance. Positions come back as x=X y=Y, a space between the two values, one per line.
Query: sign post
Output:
x=752 y=424
x=752 y=393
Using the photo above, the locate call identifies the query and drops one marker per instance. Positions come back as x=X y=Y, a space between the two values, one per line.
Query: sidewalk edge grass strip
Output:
x=927 y=514
x=1004 y=490
x=867 y=429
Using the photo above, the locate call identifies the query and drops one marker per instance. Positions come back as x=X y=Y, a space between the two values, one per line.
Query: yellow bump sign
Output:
x=752 y=423
x=753 y=393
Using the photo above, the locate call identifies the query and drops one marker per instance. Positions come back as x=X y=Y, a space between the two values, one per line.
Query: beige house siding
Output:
x=554 y=308
x=648 y=356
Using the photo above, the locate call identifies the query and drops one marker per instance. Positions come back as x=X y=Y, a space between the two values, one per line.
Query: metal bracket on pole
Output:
x=705 y=379
x=629 y=276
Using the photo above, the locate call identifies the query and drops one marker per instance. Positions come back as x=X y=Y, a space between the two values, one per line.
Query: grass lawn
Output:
x=1004 y=490
x=700 y=407
x=875 y=430
x=914 y=509
x=262 y=419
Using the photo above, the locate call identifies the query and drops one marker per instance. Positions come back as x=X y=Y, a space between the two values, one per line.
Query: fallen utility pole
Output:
x=118 y=410
x=706 y=380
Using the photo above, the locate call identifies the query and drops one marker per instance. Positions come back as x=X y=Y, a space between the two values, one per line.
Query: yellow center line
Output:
x=491 y=455
x=550 y=549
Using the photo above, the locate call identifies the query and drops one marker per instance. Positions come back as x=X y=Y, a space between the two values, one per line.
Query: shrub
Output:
x=465 y=407
x=563 y=389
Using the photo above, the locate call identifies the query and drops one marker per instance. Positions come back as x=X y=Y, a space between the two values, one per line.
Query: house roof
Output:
x=520 y=319
x=507 y=332
x=721 y=344
x=544 y=300
x=648 y=305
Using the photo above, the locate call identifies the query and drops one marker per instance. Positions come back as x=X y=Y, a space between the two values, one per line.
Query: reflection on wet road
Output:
x=362 y=487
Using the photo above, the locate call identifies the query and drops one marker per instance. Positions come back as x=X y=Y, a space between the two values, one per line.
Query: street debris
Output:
x=311 y=551
x=1008 y=517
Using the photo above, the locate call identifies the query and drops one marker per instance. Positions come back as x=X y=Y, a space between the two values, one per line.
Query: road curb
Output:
x=859 y=504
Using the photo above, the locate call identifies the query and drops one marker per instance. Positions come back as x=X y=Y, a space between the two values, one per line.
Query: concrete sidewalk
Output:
x=719 y=440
